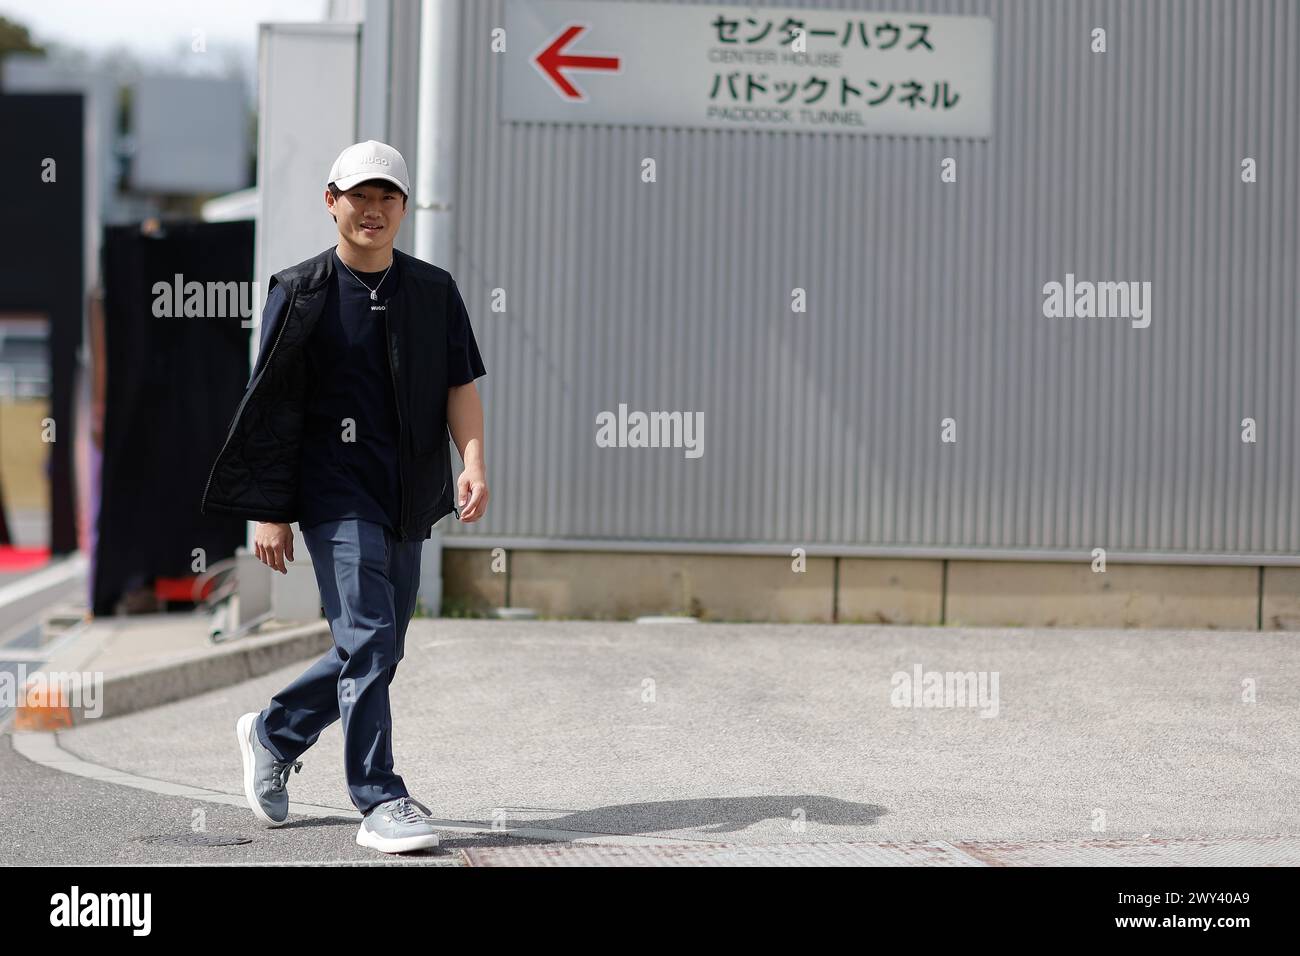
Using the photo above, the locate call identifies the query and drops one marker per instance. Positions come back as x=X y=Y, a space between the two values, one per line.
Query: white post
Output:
x=435 y=183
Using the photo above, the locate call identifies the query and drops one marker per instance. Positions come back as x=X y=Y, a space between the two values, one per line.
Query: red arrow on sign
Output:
x=552 y=60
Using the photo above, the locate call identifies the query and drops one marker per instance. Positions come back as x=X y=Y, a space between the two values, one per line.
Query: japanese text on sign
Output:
x=733 y=67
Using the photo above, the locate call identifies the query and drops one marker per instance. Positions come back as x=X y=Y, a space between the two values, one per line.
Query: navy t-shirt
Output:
x=349 y=466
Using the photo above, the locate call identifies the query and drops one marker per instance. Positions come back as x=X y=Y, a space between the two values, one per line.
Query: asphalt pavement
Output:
x=524 y=733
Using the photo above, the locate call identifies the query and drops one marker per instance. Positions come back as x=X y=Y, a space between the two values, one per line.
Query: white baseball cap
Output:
x=369 y=160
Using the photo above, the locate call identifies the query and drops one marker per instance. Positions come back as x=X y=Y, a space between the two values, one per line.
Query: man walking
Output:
x=367 y=361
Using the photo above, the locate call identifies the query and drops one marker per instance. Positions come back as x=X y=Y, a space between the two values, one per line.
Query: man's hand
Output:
x=273 y=543
x=471 y=486
x=465 y=423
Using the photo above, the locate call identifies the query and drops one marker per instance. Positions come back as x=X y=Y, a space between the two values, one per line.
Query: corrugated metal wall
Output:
x=925 y=301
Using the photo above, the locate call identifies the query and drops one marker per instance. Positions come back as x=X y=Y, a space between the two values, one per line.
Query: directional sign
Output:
x=769 y=68
x=554 y=63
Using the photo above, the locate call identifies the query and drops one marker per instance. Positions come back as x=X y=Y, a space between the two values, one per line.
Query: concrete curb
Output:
x=33 y=592
x=135 y=689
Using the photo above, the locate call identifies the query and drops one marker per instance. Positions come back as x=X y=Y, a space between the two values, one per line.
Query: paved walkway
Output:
x=770 y=735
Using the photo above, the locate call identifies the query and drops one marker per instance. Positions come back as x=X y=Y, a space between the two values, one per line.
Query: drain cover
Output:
x=1242 y=851
x=1246 y=851
x=194 y=839
x=722 y=854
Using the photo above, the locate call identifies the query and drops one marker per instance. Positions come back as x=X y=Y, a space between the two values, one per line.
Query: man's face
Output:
x=369 y=214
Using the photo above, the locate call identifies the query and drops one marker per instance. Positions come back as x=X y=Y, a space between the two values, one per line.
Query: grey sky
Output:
x=154 y=30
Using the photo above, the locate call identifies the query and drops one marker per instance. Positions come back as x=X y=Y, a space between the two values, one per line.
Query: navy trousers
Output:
x=368 y=580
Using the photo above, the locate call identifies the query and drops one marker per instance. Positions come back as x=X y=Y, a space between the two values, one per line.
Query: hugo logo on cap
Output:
x=369 y=159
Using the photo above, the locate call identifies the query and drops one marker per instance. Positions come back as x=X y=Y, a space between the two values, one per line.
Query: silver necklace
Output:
x=374 y=293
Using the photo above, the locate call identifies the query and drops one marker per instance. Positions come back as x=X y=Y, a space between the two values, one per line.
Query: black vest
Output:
x=255 y=475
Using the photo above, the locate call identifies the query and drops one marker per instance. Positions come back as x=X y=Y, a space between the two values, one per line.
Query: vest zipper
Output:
x=397 y=404
x=288 y=312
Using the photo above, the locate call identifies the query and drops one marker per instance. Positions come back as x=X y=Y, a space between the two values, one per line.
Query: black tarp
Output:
x=42 y=258
x=172 y=387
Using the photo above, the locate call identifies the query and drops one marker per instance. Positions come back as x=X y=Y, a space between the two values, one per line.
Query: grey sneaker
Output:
x=265 y=778
x=397 y=826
